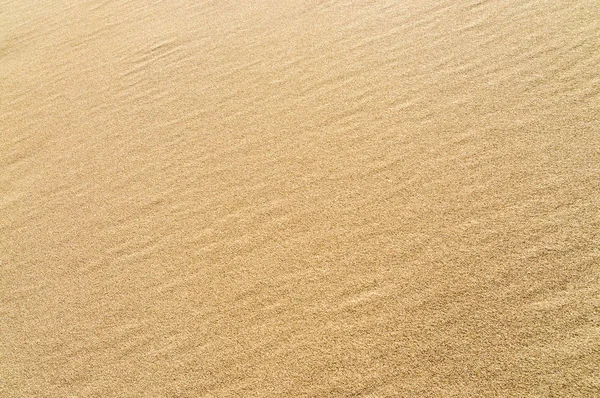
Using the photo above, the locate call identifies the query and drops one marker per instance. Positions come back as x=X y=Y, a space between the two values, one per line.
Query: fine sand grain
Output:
x=299 y=198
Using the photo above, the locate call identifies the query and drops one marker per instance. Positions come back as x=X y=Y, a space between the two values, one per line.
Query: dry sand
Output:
x=300 y=198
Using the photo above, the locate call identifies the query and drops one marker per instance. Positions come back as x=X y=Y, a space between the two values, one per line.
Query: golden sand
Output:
x=300 y=198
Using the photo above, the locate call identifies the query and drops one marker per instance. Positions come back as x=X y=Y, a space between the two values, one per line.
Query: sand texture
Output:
x=299 y=198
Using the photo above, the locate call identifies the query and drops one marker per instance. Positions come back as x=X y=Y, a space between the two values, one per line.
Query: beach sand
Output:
x=300 y=198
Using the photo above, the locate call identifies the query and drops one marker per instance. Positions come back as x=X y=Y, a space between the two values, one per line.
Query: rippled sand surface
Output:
x=300 y=198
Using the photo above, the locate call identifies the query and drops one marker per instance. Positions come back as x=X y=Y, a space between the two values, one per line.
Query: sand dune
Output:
x=299 y=198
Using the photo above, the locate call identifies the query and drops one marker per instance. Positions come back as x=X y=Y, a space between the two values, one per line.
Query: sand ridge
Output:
x=310 y=198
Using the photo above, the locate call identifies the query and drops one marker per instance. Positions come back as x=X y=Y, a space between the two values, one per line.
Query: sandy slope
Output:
x=300 y=198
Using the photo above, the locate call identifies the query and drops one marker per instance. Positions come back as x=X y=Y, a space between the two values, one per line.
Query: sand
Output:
x=300 y=198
